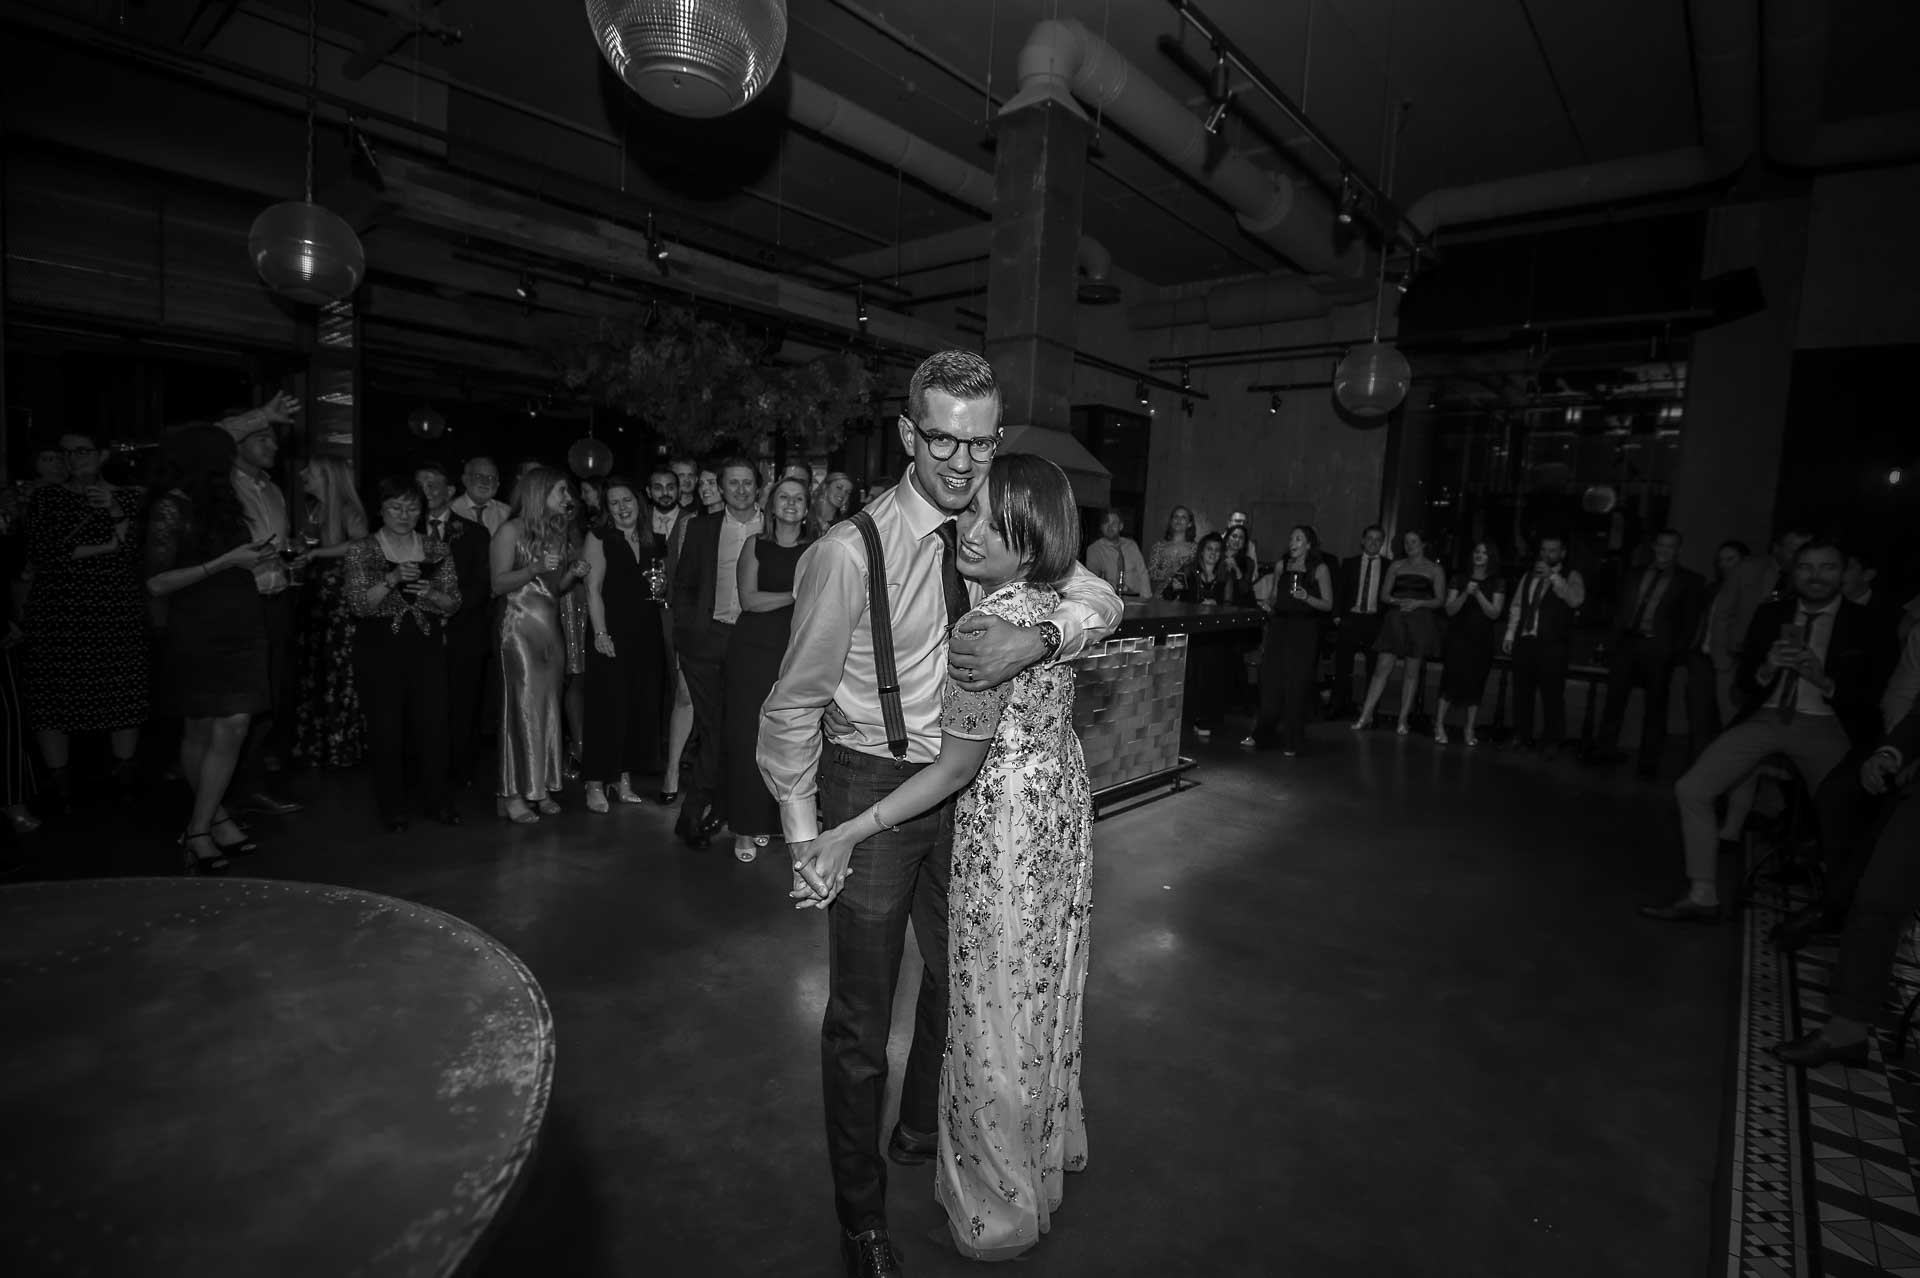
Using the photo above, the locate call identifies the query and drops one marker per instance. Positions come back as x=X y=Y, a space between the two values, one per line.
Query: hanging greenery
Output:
x=701 y=383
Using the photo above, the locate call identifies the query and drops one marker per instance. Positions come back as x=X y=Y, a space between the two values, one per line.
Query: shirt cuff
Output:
x=800 y=819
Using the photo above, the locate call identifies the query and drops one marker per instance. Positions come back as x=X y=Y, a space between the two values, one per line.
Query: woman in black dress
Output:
x=213 y=634
x=627 y=666
x=754 y=653
x=1474 y=601
x=1290 y=668
x=1416 y=587
x=402 y=586
x=1213 y=660
x=87 y=656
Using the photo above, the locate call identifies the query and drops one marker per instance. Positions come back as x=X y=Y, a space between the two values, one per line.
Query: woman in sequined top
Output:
x=401 y=588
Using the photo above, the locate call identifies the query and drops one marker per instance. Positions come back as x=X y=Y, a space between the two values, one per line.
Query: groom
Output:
x=828 y=682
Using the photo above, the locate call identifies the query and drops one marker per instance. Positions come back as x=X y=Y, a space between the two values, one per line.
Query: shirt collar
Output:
x=920 y=515
x=1832 y=605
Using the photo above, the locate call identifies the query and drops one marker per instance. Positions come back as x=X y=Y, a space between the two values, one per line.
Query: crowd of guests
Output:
x=413 y=626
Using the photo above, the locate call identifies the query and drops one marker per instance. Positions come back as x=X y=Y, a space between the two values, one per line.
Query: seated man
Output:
x=1888 y=894
x=1807 y=670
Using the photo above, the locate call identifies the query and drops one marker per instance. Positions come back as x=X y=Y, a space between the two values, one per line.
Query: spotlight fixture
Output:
x=1273 y=403
x=1219 y=91
x=1217 y=116
x=1186 y=378
x=1349 y=200
x=860 y=307
x=656 y=247
x=525 y=290
x=1186 y=406
x=1895 y=475
x=1140 y=391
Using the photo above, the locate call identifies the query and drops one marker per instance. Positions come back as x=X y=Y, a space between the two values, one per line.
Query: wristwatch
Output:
x=1050 y=636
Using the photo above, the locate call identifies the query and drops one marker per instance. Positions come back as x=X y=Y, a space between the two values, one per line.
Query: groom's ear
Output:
x=907 y=436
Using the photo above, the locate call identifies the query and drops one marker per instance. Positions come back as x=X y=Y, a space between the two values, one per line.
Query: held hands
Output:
x=821 y=867
x=988 y=651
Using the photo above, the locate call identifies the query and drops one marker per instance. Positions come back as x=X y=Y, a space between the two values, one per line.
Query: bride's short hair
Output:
x=1031 y=503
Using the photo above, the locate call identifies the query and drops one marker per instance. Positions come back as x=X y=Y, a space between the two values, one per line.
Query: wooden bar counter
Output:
x=1130 y=692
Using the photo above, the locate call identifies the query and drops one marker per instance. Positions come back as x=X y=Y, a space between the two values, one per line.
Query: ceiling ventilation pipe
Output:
x=1063 y=60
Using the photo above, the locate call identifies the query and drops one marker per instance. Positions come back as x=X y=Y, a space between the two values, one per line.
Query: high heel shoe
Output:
x=746 y=847
x=515 y=810
x=596 y=797
x=1470 y=740
x=244 y=846
x=1400 y=729
x=624 y=792
x=548 y=807
x=1361 y=724
x=1440 y=734
x=193 y=862
x=21 y=821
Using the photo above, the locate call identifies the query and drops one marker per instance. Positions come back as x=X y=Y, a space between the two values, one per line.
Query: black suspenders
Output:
x=883 y=665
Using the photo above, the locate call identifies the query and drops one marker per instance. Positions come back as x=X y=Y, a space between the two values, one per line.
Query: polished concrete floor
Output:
x=1386 y=1009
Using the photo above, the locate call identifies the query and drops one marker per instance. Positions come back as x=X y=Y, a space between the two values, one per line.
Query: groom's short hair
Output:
x=961 y=374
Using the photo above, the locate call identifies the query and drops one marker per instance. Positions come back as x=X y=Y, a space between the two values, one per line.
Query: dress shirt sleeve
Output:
x=829 y=594
x=1087 y=613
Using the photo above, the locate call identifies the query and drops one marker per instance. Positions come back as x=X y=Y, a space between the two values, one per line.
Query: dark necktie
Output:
x=439 y=527
x=1790 y=681
x=1366 y=584
x=950 y=583
x=1649 y=588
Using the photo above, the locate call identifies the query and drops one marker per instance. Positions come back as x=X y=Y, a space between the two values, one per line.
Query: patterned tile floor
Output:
x=1823 y=1163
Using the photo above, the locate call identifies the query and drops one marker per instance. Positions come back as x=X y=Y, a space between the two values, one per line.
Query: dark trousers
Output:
x=401 y=676
x=702 y=664
x=624 y=710
x=1849 y=821
x=470 y=639
x=250 y=776
x=1353 y=637
x=1703 y=704
x=1883 y=905
x=897 y=875
x=1540 y=669
x=1289 y=668
x=1639 y=663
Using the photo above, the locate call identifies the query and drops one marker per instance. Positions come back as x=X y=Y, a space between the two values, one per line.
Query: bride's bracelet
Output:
x=880 y=821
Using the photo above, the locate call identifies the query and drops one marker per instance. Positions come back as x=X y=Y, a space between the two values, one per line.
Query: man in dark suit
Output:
x=469 y=636
x=1881 y=908
x=1658 y=612
x=705 y=595
x=1539 y=637
x=1808 y=675
x=1357 y=615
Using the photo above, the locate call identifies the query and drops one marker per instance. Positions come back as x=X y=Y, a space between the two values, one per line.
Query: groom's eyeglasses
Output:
x=944 y=446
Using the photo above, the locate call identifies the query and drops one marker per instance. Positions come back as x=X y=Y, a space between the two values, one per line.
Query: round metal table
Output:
x=248 y=1077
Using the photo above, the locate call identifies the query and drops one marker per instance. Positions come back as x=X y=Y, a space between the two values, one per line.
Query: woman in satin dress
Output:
x=536 y=562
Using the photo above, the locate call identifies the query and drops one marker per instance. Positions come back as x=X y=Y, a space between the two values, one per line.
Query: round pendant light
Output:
x=590 y=458
x=697 y=58
x=427 y=422
x=1372 y=379
x=304 y=252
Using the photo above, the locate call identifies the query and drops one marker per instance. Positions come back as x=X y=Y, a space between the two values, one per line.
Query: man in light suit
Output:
x=704 y=591
x=1759 y=578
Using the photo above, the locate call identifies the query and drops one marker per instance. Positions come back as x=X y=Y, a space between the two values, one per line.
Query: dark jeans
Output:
x=1883 y=905
x=1540 y=669
x=1639 y=663
x=1354 y=636
x=1289 y=669
x=470 y=640
x=1849 y=820
x=897 y=874
x=401 y=676
x=705 y=685
x=250 y=776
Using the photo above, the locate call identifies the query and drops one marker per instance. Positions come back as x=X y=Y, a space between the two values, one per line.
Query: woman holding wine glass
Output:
x=536 y=561
x=329 y=730
x=402 y=587
x=626 y=669
x=1302 y=597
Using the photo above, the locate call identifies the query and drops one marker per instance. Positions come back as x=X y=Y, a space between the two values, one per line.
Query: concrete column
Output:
x=1039 y=176
x=1728 y=477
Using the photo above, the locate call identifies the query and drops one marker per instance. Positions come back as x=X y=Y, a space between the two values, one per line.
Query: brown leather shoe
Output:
x=1811 y=1051
x=1682 y=911
x=870 y=1255
x=910 y=1149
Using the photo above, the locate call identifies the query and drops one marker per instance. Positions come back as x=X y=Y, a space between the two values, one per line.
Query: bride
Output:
x=1020 y=892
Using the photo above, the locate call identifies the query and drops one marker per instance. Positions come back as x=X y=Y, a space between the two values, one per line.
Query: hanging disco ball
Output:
x=1372 y=380
x=697 y=58
x=590 y=458
x=306 y=253
x=427 y=423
